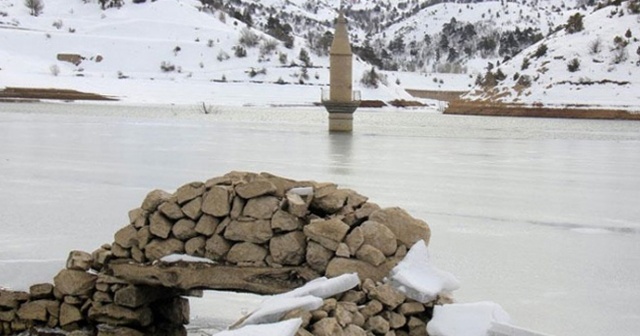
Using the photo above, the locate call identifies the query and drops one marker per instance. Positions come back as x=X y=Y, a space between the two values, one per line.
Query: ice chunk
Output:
x=418 y=279
x=302 y=191
x=465 y=319
x=174 y=258
x=308 y=297
x=324 y=288
x=284 y=328
x=275 y=307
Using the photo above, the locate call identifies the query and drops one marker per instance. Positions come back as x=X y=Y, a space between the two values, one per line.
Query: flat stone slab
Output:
x=197 y=275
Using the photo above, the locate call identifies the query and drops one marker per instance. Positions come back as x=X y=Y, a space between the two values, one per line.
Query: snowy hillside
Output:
x=168 y=51
x=594 y=62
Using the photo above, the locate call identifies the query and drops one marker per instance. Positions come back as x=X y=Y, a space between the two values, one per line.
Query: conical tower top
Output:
x=341 y=44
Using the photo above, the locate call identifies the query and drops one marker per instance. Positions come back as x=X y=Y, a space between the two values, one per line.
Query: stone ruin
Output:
x=261 y=233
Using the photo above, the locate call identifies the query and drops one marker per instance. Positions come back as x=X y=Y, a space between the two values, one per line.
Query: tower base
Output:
x=341 y=115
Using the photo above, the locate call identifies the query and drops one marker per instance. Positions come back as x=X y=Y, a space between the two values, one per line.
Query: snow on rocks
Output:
x=417 y=278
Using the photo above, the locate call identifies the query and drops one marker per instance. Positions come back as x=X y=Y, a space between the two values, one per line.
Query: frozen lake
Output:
x=539 y=215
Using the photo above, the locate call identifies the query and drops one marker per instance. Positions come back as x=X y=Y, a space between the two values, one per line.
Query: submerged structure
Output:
x=341 y=101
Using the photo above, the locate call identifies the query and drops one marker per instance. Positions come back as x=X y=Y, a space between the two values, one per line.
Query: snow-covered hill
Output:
x=163 y=51
x=597 y=66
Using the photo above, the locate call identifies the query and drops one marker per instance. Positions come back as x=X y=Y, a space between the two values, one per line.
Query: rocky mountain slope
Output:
x=593 y=61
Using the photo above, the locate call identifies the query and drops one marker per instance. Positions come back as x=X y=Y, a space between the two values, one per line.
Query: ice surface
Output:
x=284 y=328
x=506 y=198
x=465 y=319
x=418 y=278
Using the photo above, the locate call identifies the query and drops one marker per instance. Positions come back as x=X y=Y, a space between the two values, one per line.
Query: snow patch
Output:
x=466 y=319
x=418 y=279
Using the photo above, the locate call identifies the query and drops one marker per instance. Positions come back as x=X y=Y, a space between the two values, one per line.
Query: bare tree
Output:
x=35 y=6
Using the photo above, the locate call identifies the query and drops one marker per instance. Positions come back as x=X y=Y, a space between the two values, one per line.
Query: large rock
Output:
x=217 y=202
x=69 y=314
x=217 y=247
x=284 y=221
x=109 y=330
x=37 y=310
x=370 y=254
x=74 y=282
x=184 y=229
x=138 y=296
x=154 y=199
x=332 y=201
x=255 y=188
x=339 y=266
x=41 y=291
x=193 y=209
x=160 y=226
x=318 y=257
x=327 y=327
x=195 y=246
x=118 y=316
x=246 y=253
x=380 y=237
x=171 y=209
x=207 y=225
x=288 y=249
x=160 y=248
x=388 y=295
x=407 y=229
x=354 y=240
x=296 y=205
x=328 y=233
x=11 y=299
x=127 y=236
x=189 y=192
x=258 y=231
x=262 y=207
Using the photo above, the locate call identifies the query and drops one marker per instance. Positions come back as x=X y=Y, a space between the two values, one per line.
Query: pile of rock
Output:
x=371 y=309
x=242 y=221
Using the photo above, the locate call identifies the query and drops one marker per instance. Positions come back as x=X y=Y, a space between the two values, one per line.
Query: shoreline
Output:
x=515 y=110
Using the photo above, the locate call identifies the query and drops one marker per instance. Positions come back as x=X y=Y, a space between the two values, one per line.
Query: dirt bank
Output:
x=512 y=110
x=13 y=93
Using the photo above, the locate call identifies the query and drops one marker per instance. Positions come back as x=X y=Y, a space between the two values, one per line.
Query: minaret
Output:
x=343 y=101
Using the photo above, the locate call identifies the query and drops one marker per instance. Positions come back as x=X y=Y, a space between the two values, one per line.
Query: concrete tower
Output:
x=342 y=101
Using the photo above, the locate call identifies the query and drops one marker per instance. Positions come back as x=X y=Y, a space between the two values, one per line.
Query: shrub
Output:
x=167 y=67
x=541 y=51
x=304 y=57
x=248 y=38
x=595 y=46
x=282 y=57
x=55 y=69
x=268 y=46
x=240 y=52
x=524 y=81
x=222 y=56
x=370 y=79
x=35 y=6
x=620 y=55
x=57 y=24
x=176 y=50
x=210 y=43
x=574 y=24
x=525 y=64
x=573 y=65
x=634 y=6
x=500 y=76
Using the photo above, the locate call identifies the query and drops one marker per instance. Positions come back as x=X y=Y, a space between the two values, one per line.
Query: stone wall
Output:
x=261 y=233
